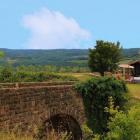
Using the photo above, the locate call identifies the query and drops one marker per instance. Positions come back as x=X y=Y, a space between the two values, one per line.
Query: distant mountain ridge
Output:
x=58 y=57
x=131 y=52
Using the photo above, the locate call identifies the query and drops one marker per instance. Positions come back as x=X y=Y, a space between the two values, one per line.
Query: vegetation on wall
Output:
x=95 y=93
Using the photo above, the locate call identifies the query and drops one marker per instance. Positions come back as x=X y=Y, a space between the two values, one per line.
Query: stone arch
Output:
x=62 y=123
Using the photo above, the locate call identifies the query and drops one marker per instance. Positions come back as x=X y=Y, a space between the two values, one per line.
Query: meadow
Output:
x=134 y=90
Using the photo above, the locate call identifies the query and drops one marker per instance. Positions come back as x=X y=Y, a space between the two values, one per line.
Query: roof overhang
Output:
x=126 y=66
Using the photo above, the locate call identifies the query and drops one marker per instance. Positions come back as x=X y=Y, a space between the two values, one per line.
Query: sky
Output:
x=69 y=24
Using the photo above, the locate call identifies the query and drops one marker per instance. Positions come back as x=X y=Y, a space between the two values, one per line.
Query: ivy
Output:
x=95 y=93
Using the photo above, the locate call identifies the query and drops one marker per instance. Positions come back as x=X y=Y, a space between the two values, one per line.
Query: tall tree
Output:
x=104 y=57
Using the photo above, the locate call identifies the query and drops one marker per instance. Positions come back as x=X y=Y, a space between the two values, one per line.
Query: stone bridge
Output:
x=41 y=105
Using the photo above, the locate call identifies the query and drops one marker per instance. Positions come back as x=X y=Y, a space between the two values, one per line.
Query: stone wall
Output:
x=32 y=104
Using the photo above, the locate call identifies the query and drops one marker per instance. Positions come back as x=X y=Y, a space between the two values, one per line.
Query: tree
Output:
x=104 y=57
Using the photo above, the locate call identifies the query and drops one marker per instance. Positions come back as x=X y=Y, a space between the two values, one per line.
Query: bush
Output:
x=95 y=93
x=6 y=74
x=124 y=126
x=87 y=132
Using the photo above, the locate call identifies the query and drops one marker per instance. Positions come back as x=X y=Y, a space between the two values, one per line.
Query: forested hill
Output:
x=60 y=57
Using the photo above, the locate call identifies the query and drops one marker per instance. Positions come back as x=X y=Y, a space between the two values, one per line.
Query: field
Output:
x=79 y=76
x=134 y=90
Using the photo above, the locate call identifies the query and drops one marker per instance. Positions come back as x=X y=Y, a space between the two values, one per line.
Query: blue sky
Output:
x=50 y=24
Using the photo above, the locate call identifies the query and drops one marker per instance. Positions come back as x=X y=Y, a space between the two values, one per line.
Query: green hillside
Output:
x=60 y=57
x=46 y=57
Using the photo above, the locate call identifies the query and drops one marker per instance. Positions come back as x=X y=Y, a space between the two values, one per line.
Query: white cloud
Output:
x=52 y=30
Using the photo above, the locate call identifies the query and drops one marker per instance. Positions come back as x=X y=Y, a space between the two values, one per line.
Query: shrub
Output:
x=6 y=74
x=95 y=93
x=87 y=132
x=124 y=126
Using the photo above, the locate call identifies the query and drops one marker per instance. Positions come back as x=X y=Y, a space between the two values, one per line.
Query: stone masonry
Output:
x=26 y=105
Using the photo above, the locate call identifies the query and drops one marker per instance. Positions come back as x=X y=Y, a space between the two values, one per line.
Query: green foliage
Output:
x=6 y=74
x=87 y=132
x=11 y=74
x=1 y=54
x=104 y=57
x=50 y=68
x=95 y=93
x=122 y=125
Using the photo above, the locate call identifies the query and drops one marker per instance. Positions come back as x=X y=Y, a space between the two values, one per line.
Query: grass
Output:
x=51 y=136
x=79 y=76
x=134 y=90
x=12 y=136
